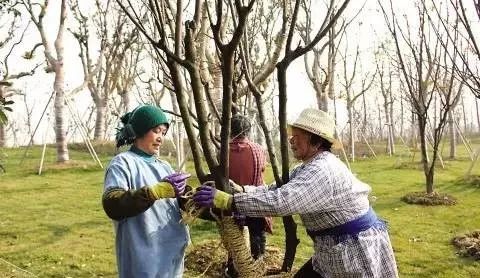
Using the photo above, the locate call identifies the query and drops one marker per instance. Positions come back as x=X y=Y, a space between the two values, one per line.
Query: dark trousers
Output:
x=256 y=230
x=306 y=271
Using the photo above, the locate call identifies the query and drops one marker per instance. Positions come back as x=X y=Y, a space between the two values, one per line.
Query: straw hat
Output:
x=317 y=122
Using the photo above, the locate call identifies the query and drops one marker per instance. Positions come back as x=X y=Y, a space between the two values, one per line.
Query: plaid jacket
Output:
x=326 y=194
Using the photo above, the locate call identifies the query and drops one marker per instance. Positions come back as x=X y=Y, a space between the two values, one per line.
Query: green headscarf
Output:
x=138 y=122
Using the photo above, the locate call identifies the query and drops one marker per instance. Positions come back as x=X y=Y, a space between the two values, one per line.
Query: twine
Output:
x=191 y=212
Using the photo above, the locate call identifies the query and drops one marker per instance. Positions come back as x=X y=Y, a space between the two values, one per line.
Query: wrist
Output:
x=162 y=190
x=222 y=200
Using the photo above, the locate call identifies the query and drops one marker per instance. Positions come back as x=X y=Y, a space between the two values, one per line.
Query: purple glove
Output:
x=204 y=196
x=178 y=181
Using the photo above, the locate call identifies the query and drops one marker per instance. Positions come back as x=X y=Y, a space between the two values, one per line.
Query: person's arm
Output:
x=311 y=190
x=120 y=202
x=308 y=191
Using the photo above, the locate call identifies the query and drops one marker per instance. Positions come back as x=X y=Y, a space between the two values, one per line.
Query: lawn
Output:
x=53 y=225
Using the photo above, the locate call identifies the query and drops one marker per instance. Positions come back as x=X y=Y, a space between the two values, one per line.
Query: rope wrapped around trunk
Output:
x=234 y=242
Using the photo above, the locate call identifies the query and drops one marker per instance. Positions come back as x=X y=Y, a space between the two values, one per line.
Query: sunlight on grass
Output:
x=53 y=225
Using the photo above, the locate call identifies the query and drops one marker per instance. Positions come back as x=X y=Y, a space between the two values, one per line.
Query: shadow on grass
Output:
x=460 y=185
x=25 y=189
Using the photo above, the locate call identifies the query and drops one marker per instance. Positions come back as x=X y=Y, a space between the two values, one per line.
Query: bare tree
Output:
x=386 y=83
x=351 y=95
x=55 y=63
x=161 y=24
x=322 y=77
x=10 y=40
x=290 y=55
x=425 y=72
x=116 y=64
x=181 y=49
x=468 y=70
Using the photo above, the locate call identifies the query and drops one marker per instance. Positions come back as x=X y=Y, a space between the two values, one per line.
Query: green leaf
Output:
x=3 y=118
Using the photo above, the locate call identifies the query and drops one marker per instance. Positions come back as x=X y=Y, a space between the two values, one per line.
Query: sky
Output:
x=38 y=88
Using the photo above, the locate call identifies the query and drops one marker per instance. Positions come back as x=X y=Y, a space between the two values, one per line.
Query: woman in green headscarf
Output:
x=140 y=196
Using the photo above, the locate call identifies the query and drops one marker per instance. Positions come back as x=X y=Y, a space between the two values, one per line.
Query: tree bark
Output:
x=453 y=135
x=422 y=126
x=351 y=131
x=289 y=225
x=101 y=107
x=478 y=113
x=61 y=121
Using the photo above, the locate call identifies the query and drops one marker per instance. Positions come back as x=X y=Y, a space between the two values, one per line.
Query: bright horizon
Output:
x=39 y=87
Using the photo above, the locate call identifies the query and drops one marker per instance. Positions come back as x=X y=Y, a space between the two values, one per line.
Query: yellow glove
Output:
x=163 y=190
x=222 y=200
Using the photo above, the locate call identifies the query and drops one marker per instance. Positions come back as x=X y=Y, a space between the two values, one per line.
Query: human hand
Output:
x=207 y=196
x=178 y=181
x=236 y=188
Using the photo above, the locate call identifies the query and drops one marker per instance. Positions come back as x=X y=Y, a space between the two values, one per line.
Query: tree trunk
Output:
x=351 y=131
x=453 y=135
x=422 y=125
x=101 y=108
x=464 y=114
x=2 y=136
x=331 y=64
x=322 y=98
x=380 y=122
x=435 y=111
x=365 y=113
x=413 y=139
x=290 y=227
x=61 y=122
x=2 y=126
x=392 y=127
x=177 y=133
x=478 y=114
x=389 y=125
x=429 y=178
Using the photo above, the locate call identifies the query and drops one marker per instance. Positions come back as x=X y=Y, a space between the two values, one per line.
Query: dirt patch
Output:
x=468 y=245
x=429 y=199
x=209 y=257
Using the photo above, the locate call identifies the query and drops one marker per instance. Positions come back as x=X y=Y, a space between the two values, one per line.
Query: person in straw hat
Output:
x=349 y=239
x=140 y=197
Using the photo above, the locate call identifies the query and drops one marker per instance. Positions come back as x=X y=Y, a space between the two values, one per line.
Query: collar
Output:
x=318 y=154
x=145 y=156
x=240 y=140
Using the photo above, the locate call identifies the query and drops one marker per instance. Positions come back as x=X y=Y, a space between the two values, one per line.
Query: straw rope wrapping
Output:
x=234 y=242
x=232 y=239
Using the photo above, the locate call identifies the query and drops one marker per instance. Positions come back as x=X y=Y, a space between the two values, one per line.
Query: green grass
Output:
x=53 y=225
